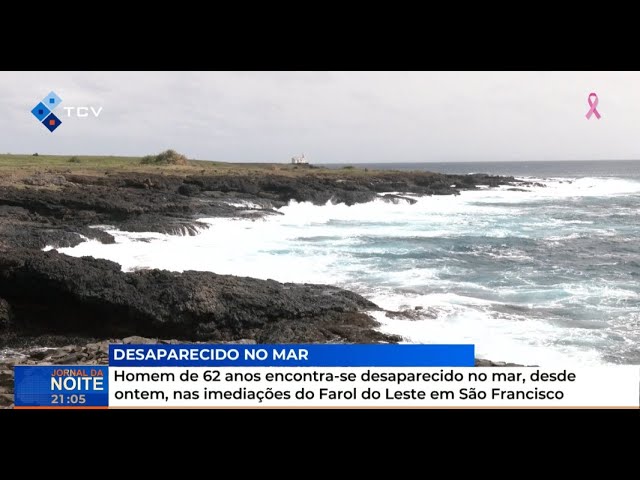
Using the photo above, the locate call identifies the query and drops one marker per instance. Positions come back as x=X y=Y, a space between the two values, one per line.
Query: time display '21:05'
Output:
x=59 y=399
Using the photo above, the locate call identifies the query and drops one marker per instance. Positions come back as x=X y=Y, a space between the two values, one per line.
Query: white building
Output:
x=299 y=159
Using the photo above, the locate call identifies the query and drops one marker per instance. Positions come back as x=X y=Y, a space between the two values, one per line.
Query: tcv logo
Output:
x=43 y=111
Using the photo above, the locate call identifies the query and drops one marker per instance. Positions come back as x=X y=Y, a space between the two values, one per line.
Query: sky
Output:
x=331 y=117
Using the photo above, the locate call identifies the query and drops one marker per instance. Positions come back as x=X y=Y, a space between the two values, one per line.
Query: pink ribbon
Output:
x=593 y=105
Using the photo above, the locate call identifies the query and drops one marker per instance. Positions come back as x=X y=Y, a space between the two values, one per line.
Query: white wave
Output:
x=336 y=244
x=530 y=342
x=571 y=236
x=577 y=187
x=245 y=204
x=602 y=293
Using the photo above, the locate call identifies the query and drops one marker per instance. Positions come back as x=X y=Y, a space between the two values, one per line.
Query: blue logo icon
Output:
x=44 y=111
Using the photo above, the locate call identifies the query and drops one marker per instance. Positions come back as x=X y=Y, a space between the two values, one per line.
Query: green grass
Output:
x=11 y=164
x=16 y=161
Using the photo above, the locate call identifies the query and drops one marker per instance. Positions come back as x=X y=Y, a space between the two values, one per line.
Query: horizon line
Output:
x=336 y=163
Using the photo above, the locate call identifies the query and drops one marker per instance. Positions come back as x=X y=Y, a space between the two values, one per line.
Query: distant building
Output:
x=299 y=159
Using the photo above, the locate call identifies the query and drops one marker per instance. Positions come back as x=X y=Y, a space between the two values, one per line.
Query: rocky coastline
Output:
x=51 y=300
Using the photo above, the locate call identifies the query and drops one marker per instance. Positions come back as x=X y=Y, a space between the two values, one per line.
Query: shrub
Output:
x=74 y=159
x=348 y=167
x=168 y=157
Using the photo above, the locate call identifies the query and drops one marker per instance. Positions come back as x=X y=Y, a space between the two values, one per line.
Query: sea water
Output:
x=549 y=276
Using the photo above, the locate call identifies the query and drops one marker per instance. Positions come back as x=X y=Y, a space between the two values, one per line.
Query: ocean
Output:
x=549 y=276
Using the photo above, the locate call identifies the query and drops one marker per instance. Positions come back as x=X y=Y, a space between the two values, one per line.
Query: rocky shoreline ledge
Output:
x=58 y=208
x=48 y=293
x=48 y=299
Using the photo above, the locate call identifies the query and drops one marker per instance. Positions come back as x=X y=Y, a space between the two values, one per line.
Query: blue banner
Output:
x=291 y=355
x=61 y=386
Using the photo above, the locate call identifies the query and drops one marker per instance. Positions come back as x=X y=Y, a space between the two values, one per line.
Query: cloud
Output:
x=330 y=116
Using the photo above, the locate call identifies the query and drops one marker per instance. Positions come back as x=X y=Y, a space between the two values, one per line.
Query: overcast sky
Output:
x=331 y=117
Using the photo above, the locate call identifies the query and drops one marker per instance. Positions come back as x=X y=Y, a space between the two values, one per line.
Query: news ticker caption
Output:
x=210 y=376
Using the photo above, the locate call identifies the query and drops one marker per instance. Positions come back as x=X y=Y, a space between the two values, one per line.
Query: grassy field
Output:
x=11 y=164
x=89 y=162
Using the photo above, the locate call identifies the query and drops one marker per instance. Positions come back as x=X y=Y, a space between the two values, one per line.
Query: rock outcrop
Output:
x=50 y=293
x=57 y=209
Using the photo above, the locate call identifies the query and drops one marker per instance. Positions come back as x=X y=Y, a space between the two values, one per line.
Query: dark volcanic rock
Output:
x=188 y=190
x=57 y=209
x=398 y=198
x=419 y=313
x=480 y=362
x=160 y=224
x=6 y=380
x=5 y=315
x=51 y=293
